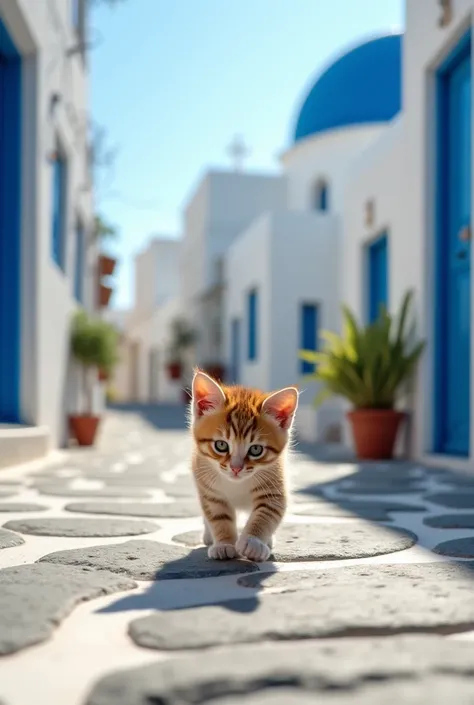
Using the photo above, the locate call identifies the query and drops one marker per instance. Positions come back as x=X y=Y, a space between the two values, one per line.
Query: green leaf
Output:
x=367 y=364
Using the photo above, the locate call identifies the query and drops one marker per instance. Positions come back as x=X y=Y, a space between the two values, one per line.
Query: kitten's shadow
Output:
x=185 y=583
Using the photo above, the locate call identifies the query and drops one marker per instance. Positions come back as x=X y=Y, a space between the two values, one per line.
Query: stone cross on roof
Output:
x=238 y=151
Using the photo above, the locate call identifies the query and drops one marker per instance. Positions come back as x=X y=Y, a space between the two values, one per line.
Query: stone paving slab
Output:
x=455 y=500
x=34 y=599
x=106 y=492
x=408 y=670
x=21 y=507
x=381 y=489
x=371 y=509
x=9 y=540
x=431 y=579
x=362 y=601
x=81 y=527
x=459 y=548
x=150 y=560
x=450 y=521
x=174 y=510
x=314 y=542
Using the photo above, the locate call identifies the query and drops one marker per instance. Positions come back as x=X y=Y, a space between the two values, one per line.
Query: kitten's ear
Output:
x=208 y=396
x=281 y=406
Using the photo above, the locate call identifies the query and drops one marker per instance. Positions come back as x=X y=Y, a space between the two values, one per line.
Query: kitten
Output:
x=240 y=441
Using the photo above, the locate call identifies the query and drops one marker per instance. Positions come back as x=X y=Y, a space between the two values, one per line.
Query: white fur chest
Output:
x=238 y=494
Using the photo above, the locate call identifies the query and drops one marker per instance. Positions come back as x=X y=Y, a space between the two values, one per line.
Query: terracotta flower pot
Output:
x=375 y=432
x=103 y=375
x=174 y=370
x=84 y=428
x=106 y=265
x=105 y=292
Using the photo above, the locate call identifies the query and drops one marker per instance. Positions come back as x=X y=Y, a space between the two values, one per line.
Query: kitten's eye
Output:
x=256 y=451
x=221 y=447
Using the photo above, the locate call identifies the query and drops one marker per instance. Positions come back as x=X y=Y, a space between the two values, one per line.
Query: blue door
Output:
x=453 y=285
x=308 y=335
x=235 y=350
x=377 y=271
x=10 y=227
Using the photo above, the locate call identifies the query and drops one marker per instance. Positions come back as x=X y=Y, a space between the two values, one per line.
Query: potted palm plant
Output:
x=94 y=346
x=368 y=366
x=182 y=338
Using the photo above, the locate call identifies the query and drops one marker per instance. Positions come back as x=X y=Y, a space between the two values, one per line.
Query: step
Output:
x=21 y=444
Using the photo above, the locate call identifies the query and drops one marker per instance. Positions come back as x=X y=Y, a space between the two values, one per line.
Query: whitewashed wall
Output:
x=248 y=265
x=426 y=45
x=43 y=33
x=292 y=258
x=398 y=174
x=325 y=156
x=152 y=333
x=378 y=177
x=223 y=205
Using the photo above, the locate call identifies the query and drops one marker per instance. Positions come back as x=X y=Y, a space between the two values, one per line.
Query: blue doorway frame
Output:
x=10 y=227
x=377 y=276
x=452 y=281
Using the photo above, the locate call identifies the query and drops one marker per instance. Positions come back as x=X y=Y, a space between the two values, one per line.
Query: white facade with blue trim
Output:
x=46 y=209
x=418 y=178
x=290 y=257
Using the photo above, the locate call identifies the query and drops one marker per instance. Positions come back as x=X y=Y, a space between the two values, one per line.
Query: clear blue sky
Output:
x=174 y=80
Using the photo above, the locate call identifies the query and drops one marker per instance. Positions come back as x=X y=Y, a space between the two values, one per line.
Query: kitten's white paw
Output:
x=252 y=548
x=221 y=551
x=270 y=542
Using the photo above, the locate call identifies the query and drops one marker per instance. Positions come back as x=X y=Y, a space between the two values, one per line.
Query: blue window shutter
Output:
x=58 y=208
x=79 y=268
x=308 y=334
x=378 y=266
x=252 y=324
x=323 y=197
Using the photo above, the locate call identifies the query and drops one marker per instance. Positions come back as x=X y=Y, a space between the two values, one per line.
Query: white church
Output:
x=374 y=198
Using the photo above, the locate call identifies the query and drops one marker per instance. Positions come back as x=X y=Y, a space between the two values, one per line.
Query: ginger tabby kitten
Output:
x=240 y=440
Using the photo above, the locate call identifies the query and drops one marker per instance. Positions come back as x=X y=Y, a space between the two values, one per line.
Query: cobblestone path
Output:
x=107 y=596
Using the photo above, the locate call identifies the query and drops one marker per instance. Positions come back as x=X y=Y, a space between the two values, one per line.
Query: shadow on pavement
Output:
x=195 y=566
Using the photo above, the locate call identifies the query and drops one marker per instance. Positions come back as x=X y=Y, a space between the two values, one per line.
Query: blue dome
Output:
x=362 y=86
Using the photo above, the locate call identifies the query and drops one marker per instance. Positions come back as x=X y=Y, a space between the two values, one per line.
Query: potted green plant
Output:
x=182 y=338
x=94 y=346
x=368 y=365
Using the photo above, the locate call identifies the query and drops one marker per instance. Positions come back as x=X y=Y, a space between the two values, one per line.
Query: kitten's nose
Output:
x=236 y=469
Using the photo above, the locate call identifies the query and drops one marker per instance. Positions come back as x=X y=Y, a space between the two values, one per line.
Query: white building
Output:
x=222 y=207
x=407 y=224
x=141 y=375
x=283 y=272
x=47 y=265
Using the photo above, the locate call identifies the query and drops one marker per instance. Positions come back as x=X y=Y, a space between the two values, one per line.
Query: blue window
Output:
x=308 y=334
x=79 y=268
x=252 y=318
x=377 y=270
x=321 y=196
x=58 y=210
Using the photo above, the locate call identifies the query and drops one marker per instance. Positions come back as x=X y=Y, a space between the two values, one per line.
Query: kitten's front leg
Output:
x=220 y=527
x=256 y=540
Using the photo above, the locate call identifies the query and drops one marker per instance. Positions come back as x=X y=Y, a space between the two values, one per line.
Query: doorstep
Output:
x=21 y=444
